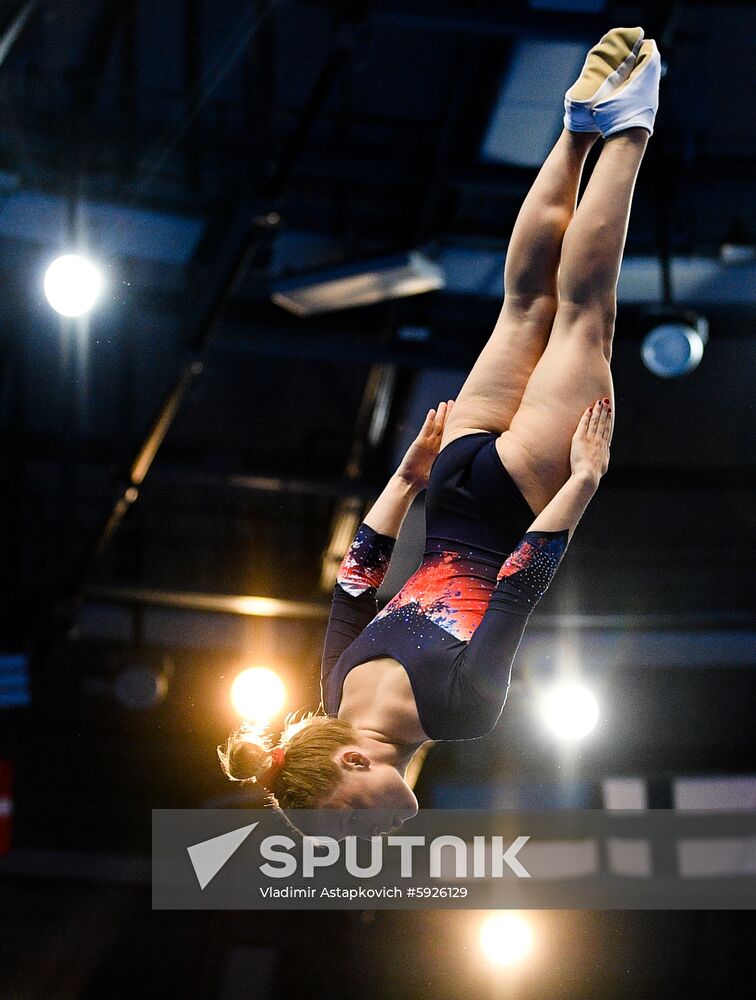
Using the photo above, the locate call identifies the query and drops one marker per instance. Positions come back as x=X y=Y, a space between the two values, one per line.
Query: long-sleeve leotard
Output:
x=455 y=625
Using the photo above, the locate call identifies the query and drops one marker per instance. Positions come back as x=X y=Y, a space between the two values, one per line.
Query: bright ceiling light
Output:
x=675 y=347
x=72 y=285
x=258 y=694
x=570 y=711
x=506 y=938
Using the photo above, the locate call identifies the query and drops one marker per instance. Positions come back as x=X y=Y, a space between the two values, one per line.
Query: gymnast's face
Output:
x=372 y=797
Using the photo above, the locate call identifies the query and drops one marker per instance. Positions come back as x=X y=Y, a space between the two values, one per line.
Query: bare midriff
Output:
x=378 y=695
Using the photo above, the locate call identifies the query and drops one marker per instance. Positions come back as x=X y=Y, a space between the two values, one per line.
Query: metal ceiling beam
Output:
x=15 y=25
x=291 y=485
x=231 y=604
x=268 y=607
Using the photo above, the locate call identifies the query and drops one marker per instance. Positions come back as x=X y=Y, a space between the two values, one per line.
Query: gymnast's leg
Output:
x=574 y=368
x=483 y=670
x=493 y=390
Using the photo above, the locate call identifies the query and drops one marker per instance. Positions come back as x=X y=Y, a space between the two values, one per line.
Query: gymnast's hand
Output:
x=589 y=454
x=415 y=467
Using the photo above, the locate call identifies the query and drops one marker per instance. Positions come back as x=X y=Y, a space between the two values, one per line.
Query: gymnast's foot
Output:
x=607 y=65
x=634 y=103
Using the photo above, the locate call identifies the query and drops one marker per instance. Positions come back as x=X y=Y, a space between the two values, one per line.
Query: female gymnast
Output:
x=508 y=478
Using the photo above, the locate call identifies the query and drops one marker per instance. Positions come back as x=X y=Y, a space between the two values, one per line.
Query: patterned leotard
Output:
x=456 y=623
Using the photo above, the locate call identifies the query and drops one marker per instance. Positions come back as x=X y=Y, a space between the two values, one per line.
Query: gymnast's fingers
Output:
x=441 y=415
x=609 y=428
x=430 y=429
x=604 y=420
x=597 y=407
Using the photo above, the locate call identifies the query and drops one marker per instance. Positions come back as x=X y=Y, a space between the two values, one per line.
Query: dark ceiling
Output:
x=191 y=441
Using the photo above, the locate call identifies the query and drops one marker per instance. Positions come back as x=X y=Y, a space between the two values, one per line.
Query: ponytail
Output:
x=297 y=773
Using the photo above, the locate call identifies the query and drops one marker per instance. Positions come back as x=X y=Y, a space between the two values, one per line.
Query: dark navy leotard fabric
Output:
x=457 y=622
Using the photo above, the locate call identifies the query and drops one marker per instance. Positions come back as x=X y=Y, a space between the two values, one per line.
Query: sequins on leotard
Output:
x=534 y=562
x=366 y=562
x=450 y=589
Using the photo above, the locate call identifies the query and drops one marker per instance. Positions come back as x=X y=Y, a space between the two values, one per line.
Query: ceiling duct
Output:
x=358 y=284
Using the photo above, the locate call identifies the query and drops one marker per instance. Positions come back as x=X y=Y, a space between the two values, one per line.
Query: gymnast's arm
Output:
x=589 y=460
x=526 y=574
x=354 y=602
x=362 y=570
x=567 y=507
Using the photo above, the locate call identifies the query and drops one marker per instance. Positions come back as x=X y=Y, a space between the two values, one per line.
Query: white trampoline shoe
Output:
x=607 y=65
x=635 y=102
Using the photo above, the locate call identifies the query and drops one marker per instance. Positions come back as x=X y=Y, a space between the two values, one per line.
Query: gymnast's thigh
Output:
x=493 y=390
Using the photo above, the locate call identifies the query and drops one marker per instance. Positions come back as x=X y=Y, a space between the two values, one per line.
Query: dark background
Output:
x=202 y=151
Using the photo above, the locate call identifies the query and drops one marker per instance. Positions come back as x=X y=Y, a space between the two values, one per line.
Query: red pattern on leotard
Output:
x=450 y=589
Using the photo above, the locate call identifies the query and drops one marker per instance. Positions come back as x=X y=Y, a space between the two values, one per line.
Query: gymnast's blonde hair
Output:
x=308 y=772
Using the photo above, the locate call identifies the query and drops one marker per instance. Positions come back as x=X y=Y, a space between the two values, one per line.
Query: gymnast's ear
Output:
x=354 y=759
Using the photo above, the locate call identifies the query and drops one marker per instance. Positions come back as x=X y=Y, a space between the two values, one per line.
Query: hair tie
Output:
x=277 y=757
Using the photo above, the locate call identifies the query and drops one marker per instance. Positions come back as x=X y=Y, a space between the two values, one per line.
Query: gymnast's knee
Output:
x=592 y=320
